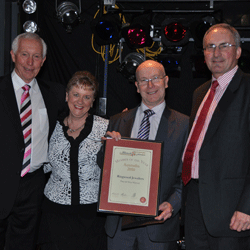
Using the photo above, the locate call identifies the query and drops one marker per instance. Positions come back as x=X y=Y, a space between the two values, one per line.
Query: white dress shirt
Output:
x=40 y=122
x=154 y=120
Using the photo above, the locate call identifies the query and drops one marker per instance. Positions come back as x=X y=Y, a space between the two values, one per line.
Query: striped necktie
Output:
x=145 y=125
x=25 y=116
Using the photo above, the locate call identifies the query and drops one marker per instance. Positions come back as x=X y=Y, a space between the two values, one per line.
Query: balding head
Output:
x=151 y=82
x=150 y=64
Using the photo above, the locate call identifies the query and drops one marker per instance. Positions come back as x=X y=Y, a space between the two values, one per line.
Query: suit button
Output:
x=22 y=150
x=18 y=173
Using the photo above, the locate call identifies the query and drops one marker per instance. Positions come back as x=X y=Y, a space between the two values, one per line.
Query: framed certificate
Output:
x=130 y=177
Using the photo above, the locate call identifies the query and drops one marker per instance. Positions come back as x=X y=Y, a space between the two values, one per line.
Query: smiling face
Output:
x=80 y=100
x=28 y=59
x=152 y=94
x=220 y=62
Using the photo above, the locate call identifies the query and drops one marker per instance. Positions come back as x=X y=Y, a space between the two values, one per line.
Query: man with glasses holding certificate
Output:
x=153 y=120
x=216 y=159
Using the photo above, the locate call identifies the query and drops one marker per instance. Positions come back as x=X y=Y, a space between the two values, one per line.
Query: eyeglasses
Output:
x=154 y=80
x=222 y=47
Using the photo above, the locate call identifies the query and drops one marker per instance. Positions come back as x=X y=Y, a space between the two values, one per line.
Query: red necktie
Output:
x=189 y=154
x=25 y=116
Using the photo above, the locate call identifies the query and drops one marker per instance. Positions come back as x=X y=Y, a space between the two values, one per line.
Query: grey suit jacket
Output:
x=173 y=129
x=11 y=137
x=224 y=157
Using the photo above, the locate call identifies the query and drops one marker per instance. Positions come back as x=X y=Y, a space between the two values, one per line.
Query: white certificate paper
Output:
x=130 y=176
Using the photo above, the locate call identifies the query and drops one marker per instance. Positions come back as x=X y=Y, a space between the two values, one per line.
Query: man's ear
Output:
x=43 y=61
x=137 y=86
x=12 y=56
x=166 y=79
x=238 y=53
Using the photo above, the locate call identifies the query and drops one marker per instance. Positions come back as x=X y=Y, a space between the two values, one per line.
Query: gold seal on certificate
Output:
x=130 y=177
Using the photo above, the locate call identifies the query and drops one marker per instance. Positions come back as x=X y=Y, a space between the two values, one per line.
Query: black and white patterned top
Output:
x=75 y=174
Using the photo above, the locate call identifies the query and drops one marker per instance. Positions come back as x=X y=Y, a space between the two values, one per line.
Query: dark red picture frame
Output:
x=130 y=209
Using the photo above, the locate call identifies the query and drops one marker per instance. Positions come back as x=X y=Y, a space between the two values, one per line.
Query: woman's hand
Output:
x=114 y=135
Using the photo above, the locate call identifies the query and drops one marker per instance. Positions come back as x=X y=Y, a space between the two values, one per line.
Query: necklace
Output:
x=74 y=130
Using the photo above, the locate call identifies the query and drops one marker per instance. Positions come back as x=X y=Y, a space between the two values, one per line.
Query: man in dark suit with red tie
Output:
x=21 y=191
x=216 y=159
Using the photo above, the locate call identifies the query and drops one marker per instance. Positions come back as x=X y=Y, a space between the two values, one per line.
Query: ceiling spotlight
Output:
x=29 y=6
x=174 y=33
x=129 y=65
x=199 y=28
x=107 y=29
x=137 y=34
x=68 y=14
x=30 y=26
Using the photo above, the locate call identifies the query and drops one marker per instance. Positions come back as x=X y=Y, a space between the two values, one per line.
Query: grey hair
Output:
x=225 y=26
x=28 y=35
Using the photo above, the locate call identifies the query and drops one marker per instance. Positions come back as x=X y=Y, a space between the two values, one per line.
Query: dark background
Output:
x=70 y=52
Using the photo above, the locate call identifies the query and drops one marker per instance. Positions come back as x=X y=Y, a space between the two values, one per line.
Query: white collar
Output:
x=18 y=82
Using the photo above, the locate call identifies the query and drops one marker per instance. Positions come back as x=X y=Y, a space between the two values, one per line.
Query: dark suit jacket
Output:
x=224 y=157
x=11 y=137
x=173 y=129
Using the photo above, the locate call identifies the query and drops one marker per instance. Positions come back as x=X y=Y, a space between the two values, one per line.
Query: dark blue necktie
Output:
x=145 y=125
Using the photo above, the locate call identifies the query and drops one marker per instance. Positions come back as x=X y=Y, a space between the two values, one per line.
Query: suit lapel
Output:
x=166 y=125
x=223 y=105
x=8 y=99
x=197 y=100
x=128 y=122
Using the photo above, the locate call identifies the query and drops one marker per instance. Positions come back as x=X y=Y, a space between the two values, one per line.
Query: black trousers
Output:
x=67 y=227
x=137 y=239
x=18 y=231
x=196 y=234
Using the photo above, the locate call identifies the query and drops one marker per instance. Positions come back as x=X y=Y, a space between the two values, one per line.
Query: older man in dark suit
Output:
x=216 y=161
x=166 y=125
x=28 y=110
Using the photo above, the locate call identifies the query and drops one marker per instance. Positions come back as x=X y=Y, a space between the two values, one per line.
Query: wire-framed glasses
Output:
x=154 y=80
x=222 y=47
